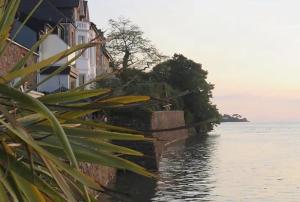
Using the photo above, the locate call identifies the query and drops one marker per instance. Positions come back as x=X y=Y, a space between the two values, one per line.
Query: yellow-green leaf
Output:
x=72 y=96
x=125 y=100
x=45 y=63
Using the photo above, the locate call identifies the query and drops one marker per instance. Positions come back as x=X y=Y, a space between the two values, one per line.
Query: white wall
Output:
x=53 y=45
x=86 y=64
x=93 y=66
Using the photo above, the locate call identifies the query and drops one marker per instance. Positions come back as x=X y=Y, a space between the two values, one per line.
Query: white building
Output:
x=51 y=46
x=73 y=27
x=86 y=64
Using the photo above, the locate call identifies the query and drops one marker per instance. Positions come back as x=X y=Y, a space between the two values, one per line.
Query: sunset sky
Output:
x=251 y=48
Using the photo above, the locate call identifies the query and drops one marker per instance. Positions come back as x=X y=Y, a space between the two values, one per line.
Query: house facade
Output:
x=44 y=19
x=103 y=59
x=71 y=23
x=90 y=62
x=18 y=48
x=8 y=60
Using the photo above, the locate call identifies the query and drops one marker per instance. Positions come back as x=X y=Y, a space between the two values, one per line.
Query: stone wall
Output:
x=152 y=149
x=167 y=120
x=12 y=54
x=101 y=174
x=159 y=120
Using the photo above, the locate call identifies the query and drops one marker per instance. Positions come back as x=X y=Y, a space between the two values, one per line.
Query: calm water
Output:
x=237 y=162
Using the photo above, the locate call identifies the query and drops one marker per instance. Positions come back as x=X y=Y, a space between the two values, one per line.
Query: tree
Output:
x=179 y=82
x=129 y=47
x=236 y=116
x=186 y=75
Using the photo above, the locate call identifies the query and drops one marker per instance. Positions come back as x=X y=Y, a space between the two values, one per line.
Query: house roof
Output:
x=65 y=3
x=106 y=53
x=45 y=13
x=66 y=7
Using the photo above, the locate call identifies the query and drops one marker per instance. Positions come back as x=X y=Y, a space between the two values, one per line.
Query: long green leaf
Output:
x=96 y=133
x=30 y=119
x=6 y=22
x=72 y=96
x=33 y=49
x=97 y=144
x=30 y=191
x=38 y=107
x=125 y=100
x=91 y=156
x=10 y=190
x=56 y=72
x=45 y=63
x=20 y=64
x=103 y=104
x=60 y=180
x=27 y=18
x=3 y=193
x=69 y=115
x=71 y=171
x=103 y=126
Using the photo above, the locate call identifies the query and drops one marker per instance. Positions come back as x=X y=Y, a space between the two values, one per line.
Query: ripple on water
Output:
x=240 y=162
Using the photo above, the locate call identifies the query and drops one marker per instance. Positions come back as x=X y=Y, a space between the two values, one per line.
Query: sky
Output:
x=251 y=48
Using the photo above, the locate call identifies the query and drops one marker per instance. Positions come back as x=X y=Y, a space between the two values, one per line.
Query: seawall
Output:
x=152 y=150
x=161 y=120
x=157 y=123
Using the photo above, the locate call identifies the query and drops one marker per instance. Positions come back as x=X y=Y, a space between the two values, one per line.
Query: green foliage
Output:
x=43 y=140
x=176 y=84
x=138 y=82
x=188 y=76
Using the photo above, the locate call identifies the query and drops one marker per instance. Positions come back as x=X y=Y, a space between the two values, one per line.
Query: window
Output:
x=72 y=39
x=72 y=83
x=93 y=55
x=60 y=33
x=81 y=79
x=81 y=40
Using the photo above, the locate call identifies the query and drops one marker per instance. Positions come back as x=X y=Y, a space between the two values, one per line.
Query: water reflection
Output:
x=186 y=172
x=136 y=188
x=247 y=162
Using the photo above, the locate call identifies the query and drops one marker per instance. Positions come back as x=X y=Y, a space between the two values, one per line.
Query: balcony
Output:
x=83 y=26
x=58 y=83
x=53 y=45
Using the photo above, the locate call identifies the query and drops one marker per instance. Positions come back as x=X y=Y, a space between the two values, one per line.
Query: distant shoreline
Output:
x=234 y=121
x=233 y=118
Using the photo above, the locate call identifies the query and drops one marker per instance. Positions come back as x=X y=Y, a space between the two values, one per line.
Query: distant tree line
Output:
x=233 y=118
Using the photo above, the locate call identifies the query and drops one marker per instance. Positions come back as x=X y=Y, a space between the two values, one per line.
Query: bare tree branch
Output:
x=129 y=47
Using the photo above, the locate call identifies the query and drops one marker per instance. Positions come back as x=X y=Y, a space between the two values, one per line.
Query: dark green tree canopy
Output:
x=181 y=84
x=186 y=75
